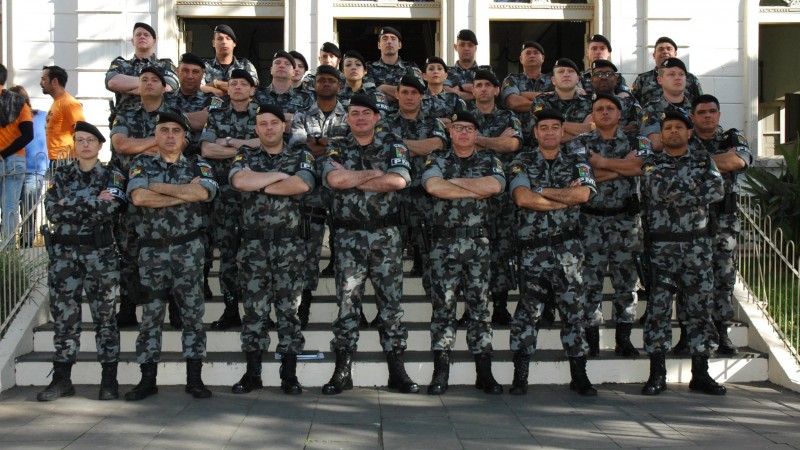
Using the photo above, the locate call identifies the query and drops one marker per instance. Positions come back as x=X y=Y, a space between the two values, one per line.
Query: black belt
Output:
x=268 y=234
x=688 y=236
x=166 y=242
x=555 y=239
x=373 y=225
x=100 y=239
x=459 y=232
x=315 y=214
x=604 y=212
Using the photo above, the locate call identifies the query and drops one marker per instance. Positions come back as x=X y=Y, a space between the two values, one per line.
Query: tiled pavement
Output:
x=754 y=416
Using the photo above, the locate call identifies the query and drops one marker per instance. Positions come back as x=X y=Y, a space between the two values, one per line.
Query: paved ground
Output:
x=754 y=416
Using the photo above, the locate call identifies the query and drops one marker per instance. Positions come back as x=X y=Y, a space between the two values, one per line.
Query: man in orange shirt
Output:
x=16 y=130
x=62 y=116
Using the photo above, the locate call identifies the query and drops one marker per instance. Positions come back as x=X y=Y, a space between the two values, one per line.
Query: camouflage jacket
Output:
x=493 y=125
x=646 y=88
x=442 y=105
x=457 y=75
x=380 y=73
x=574 y=110
x=369 y=89
x=462 y=212
x=290 y=101
x=720 y=143
x=217 y=71
x=517 y=83
x=226 y=122
x=133 y=67
x=192 y=103
x=653 y=112
x=423 y=127
x=135 y=123
x=313 y=123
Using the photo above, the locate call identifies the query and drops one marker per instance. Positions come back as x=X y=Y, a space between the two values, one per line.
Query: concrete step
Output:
x=369 y=369
x=318 y=336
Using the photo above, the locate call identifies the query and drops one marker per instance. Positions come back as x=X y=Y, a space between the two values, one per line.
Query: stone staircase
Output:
x=225 y=363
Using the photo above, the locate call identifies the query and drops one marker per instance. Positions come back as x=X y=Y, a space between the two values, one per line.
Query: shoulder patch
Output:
x=136 y=170
x=584 y=170
x=400 y=150
x=516 y=168
x=117 y=179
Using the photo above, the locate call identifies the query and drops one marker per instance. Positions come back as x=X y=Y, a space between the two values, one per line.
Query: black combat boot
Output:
x=342 y=379
x=251 y=379
x=500 y=314
x=593 y=339
x=304 y=310
x=701 y=380
x=622 y=336
x=521 y=367
x=726 y=347
x=657 y=383
x=398 y=378
x=194 y=380
x=485 y=380
x=230 y=316
x=147 y=385
x=441 y=372
x=109 y=387
x=682 y=347
x=126 y=317
x=580 y=381
x=175 y=319
x=288 y=372
x=61 y=385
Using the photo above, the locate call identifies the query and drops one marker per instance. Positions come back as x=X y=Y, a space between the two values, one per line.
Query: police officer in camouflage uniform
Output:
x=460 y=76
x=221 y=66
x=280 y=92
x=122 y=76
x=326 y=119
x=83 y=202
x=679 y=185
x=329 y=55
x=272 y=179
x=599 y=48
x=229 y=128
x=610 y=221
x=672 y=78
x=354 y=69
x=519 y=90
x=646 y=87
x=549 y=186
x=168 y=188
x=389 y=69
x=462 y=179
x=574 y=106
x=364 y=171
x=604 y=76
x=438 y=102
x=730 y=152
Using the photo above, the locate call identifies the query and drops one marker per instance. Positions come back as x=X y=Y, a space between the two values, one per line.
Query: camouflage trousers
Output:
x=725 y=265
x=185 y=283
x=551 y=271
x=69 y=276
x=131 y=292
x=271 y=272
x=503 y=244
x=608 y=246
x=313 y=252
x=374 y=255
x=226 y=213
x=683 y=267
x=418 y=208
x=461 y=265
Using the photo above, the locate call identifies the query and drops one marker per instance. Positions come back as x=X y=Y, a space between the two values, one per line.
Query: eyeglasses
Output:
x=604 y=74
x=83 y=141
x=463 y=128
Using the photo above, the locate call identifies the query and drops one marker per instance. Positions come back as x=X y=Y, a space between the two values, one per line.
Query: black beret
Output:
x=600 y=38
x=191 y=58
x=328 y=70
x=532 y=44
x=566 y=62
x=146 y=27
x=434 y=60
x=224 y=29
x=330 y=47
x=168 y=117
x=467 y=35
x=676 y=115
x=390 y=30
x=610 y=97
x=155 y=71
x=412 y=81
x=275 y=110
x=287 y=55
x=89 y=128
x=363 y=100
x=673 y=62
x=548 y=114
x=664 y=39
x=465 y=116
x=355 y=55
x=243 y=74
x=483 y=74
x=299 y=56
x=601 y=63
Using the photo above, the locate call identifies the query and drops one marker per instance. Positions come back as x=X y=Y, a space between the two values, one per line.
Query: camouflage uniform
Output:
x=193 y=103
x=442 y=105
x=631 y=111
x=502 y=207
x=370 y=90
x=217 y=71
x=227 y=207
x=380 y=73
x=728 y=226
x=653 y=111
x=679 y=191
x=516 y=83
x=171 y=254
x=314 y=123
x=574 y=110
x=272 y=251
x=367 y=243
x=551 y=260
x=291 y=101
x=646 y=88
x=83 y=257
x=133 y=67
x=461 y=252
x=612 y=229
x=457 y=75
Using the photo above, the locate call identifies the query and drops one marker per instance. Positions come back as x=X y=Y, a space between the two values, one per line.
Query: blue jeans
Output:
x=12 y=176
x=31 y=192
